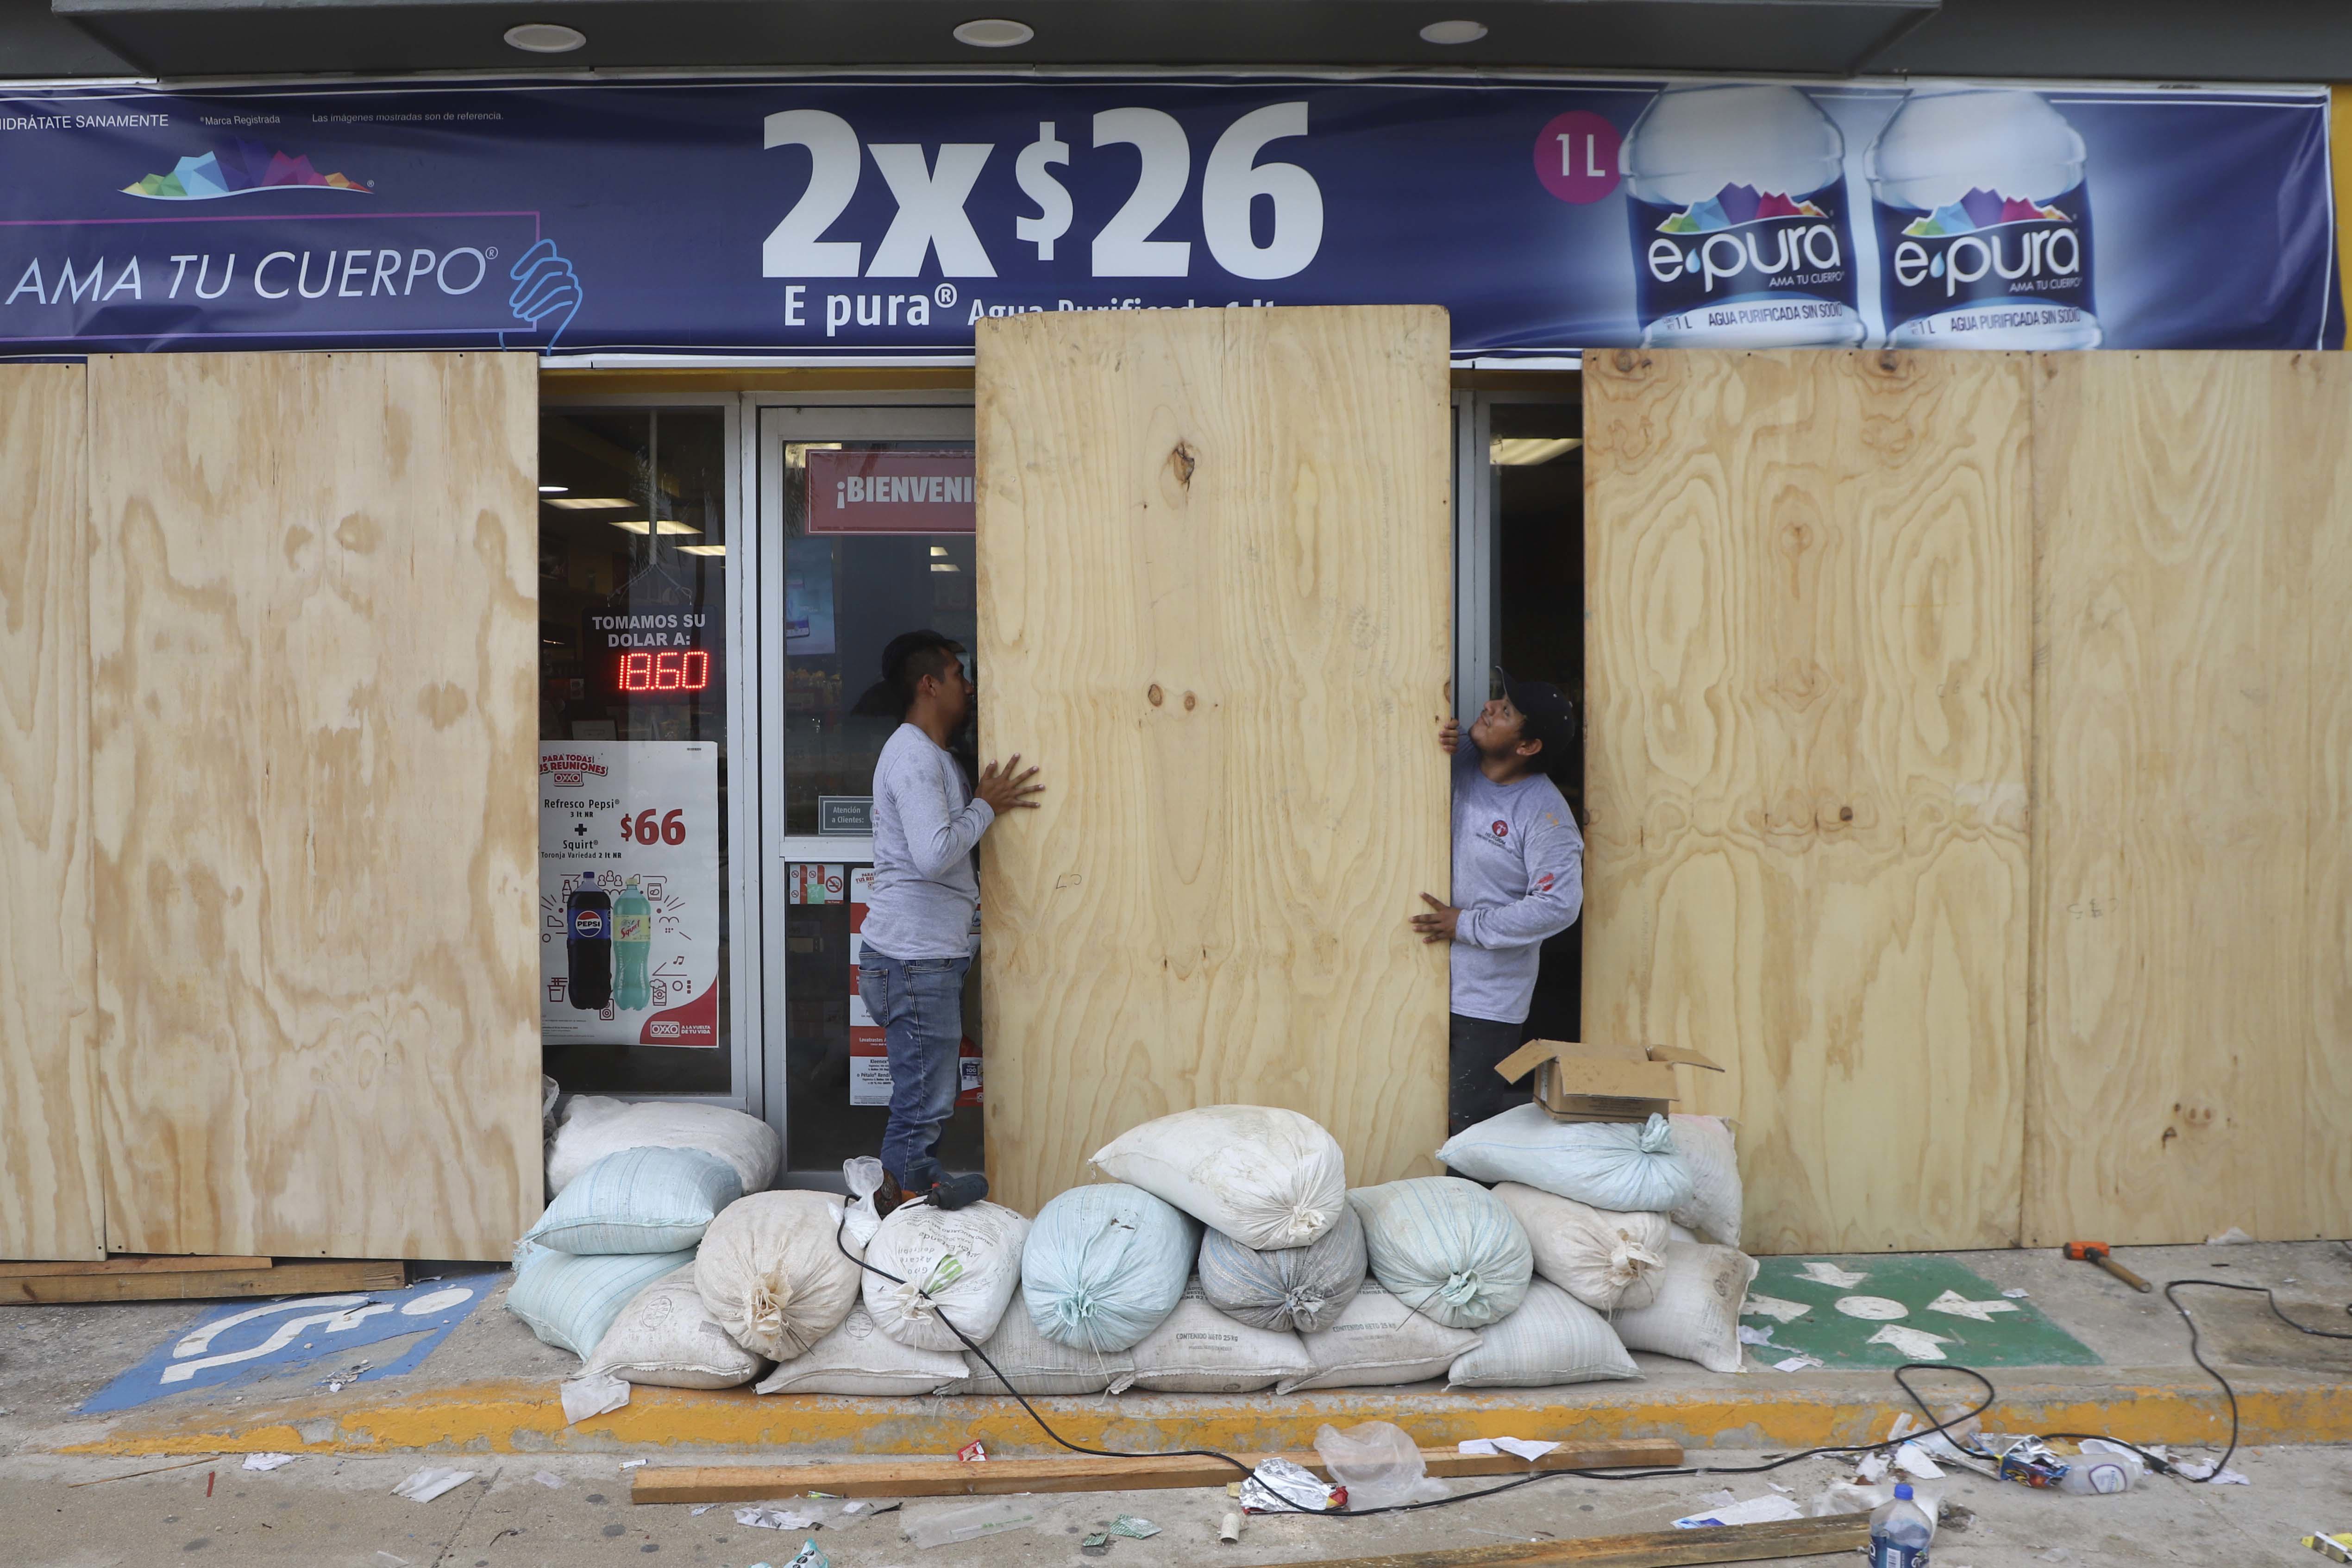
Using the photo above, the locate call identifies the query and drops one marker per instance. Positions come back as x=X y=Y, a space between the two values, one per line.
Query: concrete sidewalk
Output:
x=491 y=1387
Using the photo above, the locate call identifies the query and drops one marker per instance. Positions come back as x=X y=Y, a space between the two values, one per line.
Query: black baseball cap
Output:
x=1551 y=717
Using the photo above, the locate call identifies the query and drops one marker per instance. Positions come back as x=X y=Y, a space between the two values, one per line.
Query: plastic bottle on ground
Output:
x=2104 y=1469
x=944 y=1527
x=1901 y=1531
x=633 y=944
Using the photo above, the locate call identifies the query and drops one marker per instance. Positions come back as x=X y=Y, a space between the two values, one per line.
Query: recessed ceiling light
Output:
x=546 y=37
x=702 y=550
x=995 y=32
x=586 y=503
x=1526 y=451
x=554 y=490
x=1454 y=32
x=639 y=525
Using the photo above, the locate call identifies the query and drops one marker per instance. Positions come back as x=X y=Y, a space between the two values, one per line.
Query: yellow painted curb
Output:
x=521 y=1417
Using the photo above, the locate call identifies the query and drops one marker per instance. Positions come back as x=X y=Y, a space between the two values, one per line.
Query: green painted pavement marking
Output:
x=1897 y=1309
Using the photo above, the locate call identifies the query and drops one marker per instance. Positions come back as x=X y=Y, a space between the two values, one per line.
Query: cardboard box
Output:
x=1583 y=1081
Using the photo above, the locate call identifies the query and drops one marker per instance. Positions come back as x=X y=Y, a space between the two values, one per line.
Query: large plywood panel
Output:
x=1807 y=669
x=314 y=624
x=2192 y=1029
x=49 y=1192
x=1214 y=584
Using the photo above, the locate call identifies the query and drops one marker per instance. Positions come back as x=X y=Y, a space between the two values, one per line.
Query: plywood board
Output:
x=314 y=721
x=1213 y=574
x=1810 y=706
x=50 y=1204
x=2192 y=1029
x=304 y=1278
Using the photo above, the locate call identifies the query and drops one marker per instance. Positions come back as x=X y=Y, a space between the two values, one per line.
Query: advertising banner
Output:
x=878 y=216
x=628 y=892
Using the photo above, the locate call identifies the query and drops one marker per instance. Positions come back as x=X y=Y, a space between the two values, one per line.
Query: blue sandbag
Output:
x=1105 y=1265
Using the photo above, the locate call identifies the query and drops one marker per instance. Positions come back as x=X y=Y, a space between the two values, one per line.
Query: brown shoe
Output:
x=887 y=1196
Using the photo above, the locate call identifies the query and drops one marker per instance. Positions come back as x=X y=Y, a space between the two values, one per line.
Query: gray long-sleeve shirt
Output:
x=1519 y=877
x=926 y=825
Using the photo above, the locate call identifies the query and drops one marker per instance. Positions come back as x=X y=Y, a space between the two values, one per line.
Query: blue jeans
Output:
x=919 y=1002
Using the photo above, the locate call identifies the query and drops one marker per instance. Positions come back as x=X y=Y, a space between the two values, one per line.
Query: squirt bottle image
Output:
x=1983 y=214
x=633 y=943
x=1736 y=195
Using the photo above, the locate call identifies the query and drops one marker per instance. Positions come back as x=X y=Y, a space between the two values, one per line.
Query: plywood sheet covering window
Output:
x=1214 y=583
x=1810 y=699
x=314 y=766
x=2192 y=1067
x=49 y=1190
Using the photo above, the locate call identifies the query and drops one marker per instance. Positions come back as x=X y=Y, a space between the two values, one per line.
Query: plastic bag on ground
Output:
x=639 y=1200
x=1446 y=1247
x=1706 y=1146
x=665 y=1338
x=570 y=1301
x=1105 y=1264
x=1378 y=1340
x=1379 y=1463
x=1035 y=1365
x=960 y=1265
x=1611 y=1165
x=772 y=1272
x=1266 y=1177
x=859 y=1358
x=594 y=1126
x=1199 y=1350
x=1553 y=1339
x=1300 y=1287
x=1604 y=1259
x=1696 y=1314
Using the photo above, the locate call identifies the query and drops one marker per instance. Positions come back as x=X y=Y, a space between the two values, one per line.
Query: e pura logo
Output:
x=244 y=169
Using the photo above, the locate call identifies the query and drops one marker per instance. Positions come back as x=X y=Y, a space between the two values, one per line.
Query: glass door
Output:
x=865 y=521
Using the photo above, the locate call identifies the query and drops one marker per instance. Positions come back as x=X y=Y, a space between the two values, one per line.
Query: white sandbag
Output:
x=1446 y=1247
x=963 y=1265
x=1377 y=1341
x=665 y=1337
x=1604 y=1261
x=1616 y=1166
x=1199 y=1350
x=859 y=1358
x=1696 y=1314
x=1035 y=1365
x=639 y=1200
x=1706 y=1146
x=1265 y=1177
x=1552 y=1339
x=594 y=1126
x=773 y=1274
x=1301 y=1287
x=569 y=1301
x=1104 y=1264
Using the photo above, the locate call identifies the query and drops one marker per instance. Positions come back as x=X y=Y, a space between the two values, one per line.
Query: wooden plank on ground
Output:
x=300 y=1278
x=129 y=1263
x=1213 y=602
x=50 y=1190
x=1808 y=671
x=2193 y=798
x=1775 y=1541
x=1078 y=1473
x=314 y=732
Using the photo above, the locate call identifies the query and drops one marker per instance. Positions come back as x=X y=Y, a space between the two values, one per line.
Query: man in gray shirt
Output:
x=1519 y=877
x=918 y=917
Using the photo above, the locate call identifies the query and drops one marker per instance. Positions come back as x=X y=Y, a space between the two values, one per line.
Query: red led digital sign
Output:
x=669 y=670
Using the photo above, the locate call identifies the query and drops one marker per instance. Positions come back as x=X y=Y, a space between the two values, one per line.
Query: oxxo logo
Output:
x=1733 y=254
x=2022 y=254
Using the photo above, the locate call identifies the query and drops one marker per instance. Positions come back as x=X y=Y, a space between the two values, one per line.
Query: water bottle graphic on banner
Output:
x=1983 y=216
x=588 y=945
x=632 y=945
x=1737 y=199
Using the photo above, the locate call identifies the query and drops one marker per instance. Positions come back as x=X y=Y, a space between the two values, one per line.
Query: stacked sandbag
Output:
x=1265 y=1177
x=1552 y=1339
x=1706 y=1146
x=931 y=1272
x=1034 y=1364
x=1103 y=1265
x=1377 y=1341
x=666 y=1337
x=1623 y=1167
x=1695 y=1317
x=1199 y=1350
x=594 y=1126
x=571 y=1299
x=1446 y=1247
x=1298 y=1288
x=858 y=1358
x=774 y=1274
x=639 y=1200
x=1604 y=1259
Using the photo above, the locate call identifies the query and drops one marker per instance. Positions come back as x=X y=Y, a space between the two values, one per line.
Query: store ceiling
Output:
x=2252 y=40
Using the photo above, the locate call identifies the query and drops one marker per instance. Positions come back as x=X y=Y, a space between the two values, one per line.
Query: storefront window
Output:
x=634 y=923
x=877 y=540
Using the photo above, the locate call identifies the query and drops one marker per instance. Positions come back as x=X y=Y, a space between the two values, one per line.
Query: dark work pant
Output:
x=1477 y=1091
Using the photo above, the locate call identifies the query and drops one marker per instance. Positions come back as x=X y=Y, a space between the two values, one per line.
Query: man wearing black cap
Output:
x=1519 y=877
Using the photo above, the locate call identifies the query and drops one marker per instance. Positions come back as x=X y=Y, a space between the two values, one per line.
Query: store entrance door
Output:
x=866 y=519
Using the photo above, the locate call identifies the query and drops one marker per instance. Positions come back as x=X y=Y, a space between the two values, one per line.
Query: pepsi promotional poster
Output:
x=877 y=217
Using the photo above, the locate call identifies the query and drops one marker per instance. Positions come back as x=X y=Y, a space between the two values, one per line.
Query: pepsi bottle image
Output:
x=588 y=945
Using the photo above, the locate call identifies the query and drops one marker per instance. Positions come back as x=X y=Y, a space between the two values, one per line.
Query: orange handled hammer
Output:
x=2096 y=1252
